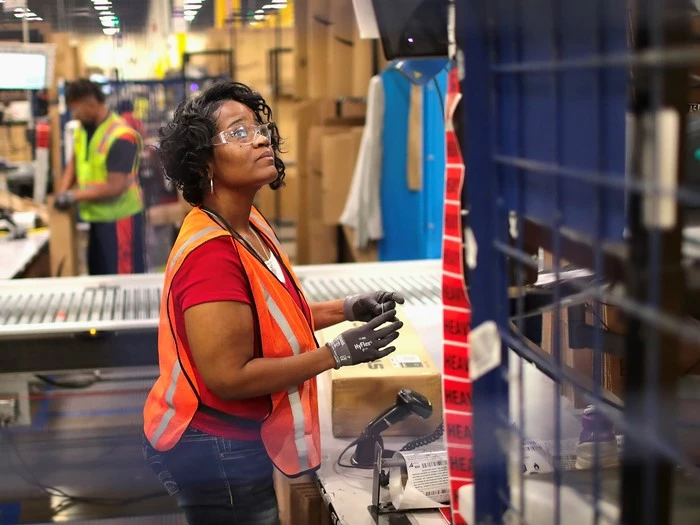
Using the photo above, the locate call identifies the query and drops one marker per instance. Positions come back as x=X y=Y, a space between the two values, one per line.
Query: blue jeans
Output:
x=217 y=480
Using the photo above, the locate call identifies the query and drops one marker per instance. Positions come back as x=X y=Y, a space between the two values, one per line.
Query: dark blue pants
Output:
x=117 y=247
x=217 y=480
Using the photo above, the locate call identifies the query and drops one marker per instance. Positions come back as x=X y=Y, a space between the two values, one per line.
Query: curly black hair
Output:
x=185 y=143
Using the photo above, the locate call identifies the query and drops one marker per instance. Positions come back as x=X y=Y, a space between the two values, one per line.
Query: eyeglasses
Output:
x=243 y=134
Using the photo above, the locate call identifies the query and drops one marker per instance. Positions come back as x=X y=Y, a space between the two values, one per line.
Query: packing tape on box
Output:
x=421 y=482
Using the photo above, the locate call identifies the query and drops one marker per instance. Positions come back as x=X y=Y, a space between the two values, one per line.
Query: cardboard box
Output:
x=314 y=180
x=317 y=57
x=267 y=199
x=284 y=488
x=322 y=242
x=67 y=61
x=362 y=52
x=63 y=241
x=341 y=49
x=314 y=119
x=290 y=195
x=16 y=203
x=349 y=253
x=302 y=22
x=317 y=243
x=163 y=214
x=14 y=146
x=307 y=506
x=360 y=393
x=338 y=157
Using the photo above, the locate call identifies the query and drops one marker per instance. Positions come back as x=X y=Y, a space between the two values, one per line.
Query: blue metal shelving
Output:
x=574 y=115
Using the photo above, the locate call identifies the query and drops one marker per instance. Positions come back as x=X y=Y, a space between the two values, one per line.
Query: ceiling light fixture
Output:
x=274 y=6
x=109 y=21
x=109 y=31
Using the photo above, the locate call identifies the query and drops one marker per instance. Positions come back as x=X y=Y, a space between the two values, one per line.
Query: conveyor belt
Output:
x=43 y=306
x=86 y=322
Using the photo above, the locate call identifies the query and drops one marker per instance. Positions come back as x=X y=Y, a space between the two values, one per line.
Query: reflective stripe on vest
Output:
x=189 y=242
x=91 y=170
x=102 y=146
x=293 y=393
x=169 y=394
x=260 y=223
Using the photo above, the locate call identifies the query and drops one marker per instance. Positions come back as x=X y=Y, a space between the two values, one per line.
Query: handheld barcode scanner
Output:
x=407 y=402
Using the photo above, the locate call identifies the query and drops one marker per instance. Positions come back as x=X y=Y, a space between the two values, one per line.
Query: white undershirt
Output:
x=274 y=265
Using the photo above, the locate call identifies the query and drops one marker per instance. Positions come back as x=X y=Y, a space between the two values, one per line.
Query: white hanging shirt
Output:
x=363 y=210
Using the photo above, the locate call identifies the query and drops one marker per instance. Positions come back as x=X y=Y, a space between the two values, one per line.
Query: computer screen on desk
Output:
x=25 y=66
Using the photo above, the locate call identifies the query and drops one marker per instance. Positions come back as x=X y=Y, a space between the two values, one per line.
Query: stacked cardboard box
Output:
x=333 y=61
x=324 y=126
x=333 y=67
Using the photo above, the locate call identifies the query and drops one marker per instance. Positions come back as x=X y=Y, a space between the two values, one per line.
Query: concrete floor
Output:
x=85 y=443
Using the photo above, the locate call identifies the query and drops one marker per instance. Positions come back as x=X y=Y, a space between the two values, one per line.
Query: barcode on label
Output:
x=430 y=464
x=436 y=492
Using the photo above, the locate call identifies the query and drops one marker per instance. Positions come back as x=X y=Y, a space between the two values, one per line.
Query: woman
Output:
x=238 y=358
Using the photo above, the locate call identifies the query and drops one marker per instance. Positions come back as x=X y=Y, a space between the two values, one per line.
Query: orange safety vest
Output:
x=291 y=432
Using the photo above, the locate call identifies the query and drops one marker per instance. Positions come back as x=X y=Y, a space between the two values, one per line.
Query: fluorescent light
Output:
x=259 y=17
x=109 y=21
x=190 y=13
x=102 y=2
x=101 y=7
x=109 y=31
x=192 y=6
x=274 y=6
x=189 y=18
x=279 y=1
x=107 y=13
x=259 y=12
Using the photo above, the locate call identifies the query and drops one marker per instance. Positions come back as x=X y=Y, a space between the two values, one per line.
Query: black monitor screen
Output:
x=412 y=28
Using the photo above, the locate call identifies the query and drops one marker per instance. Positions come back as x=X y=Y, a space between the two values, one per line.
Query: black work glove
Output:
x=367 y=306
x=364 y=343
x=64 y=200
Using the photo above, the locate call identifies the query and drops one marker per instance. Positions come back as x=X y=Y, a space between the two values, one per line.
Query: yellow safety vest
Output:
x=91 y=170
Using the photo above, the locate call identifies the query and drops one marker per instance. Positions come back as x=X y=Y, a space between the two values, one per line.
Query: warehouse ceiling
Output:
x=80 y=16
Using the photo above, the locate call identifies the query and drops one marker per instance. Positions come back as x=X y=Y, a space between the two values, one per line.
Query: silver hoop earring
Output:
x=211 y=186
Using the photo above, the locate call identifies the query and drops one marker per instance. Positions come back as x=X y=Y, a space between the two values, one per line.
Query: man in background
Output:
x=105 y=166
x=126 y=111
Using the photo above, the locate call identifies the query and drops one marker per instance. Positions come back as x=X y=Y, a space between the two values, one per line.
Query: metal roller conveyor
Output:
x=111 y=321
